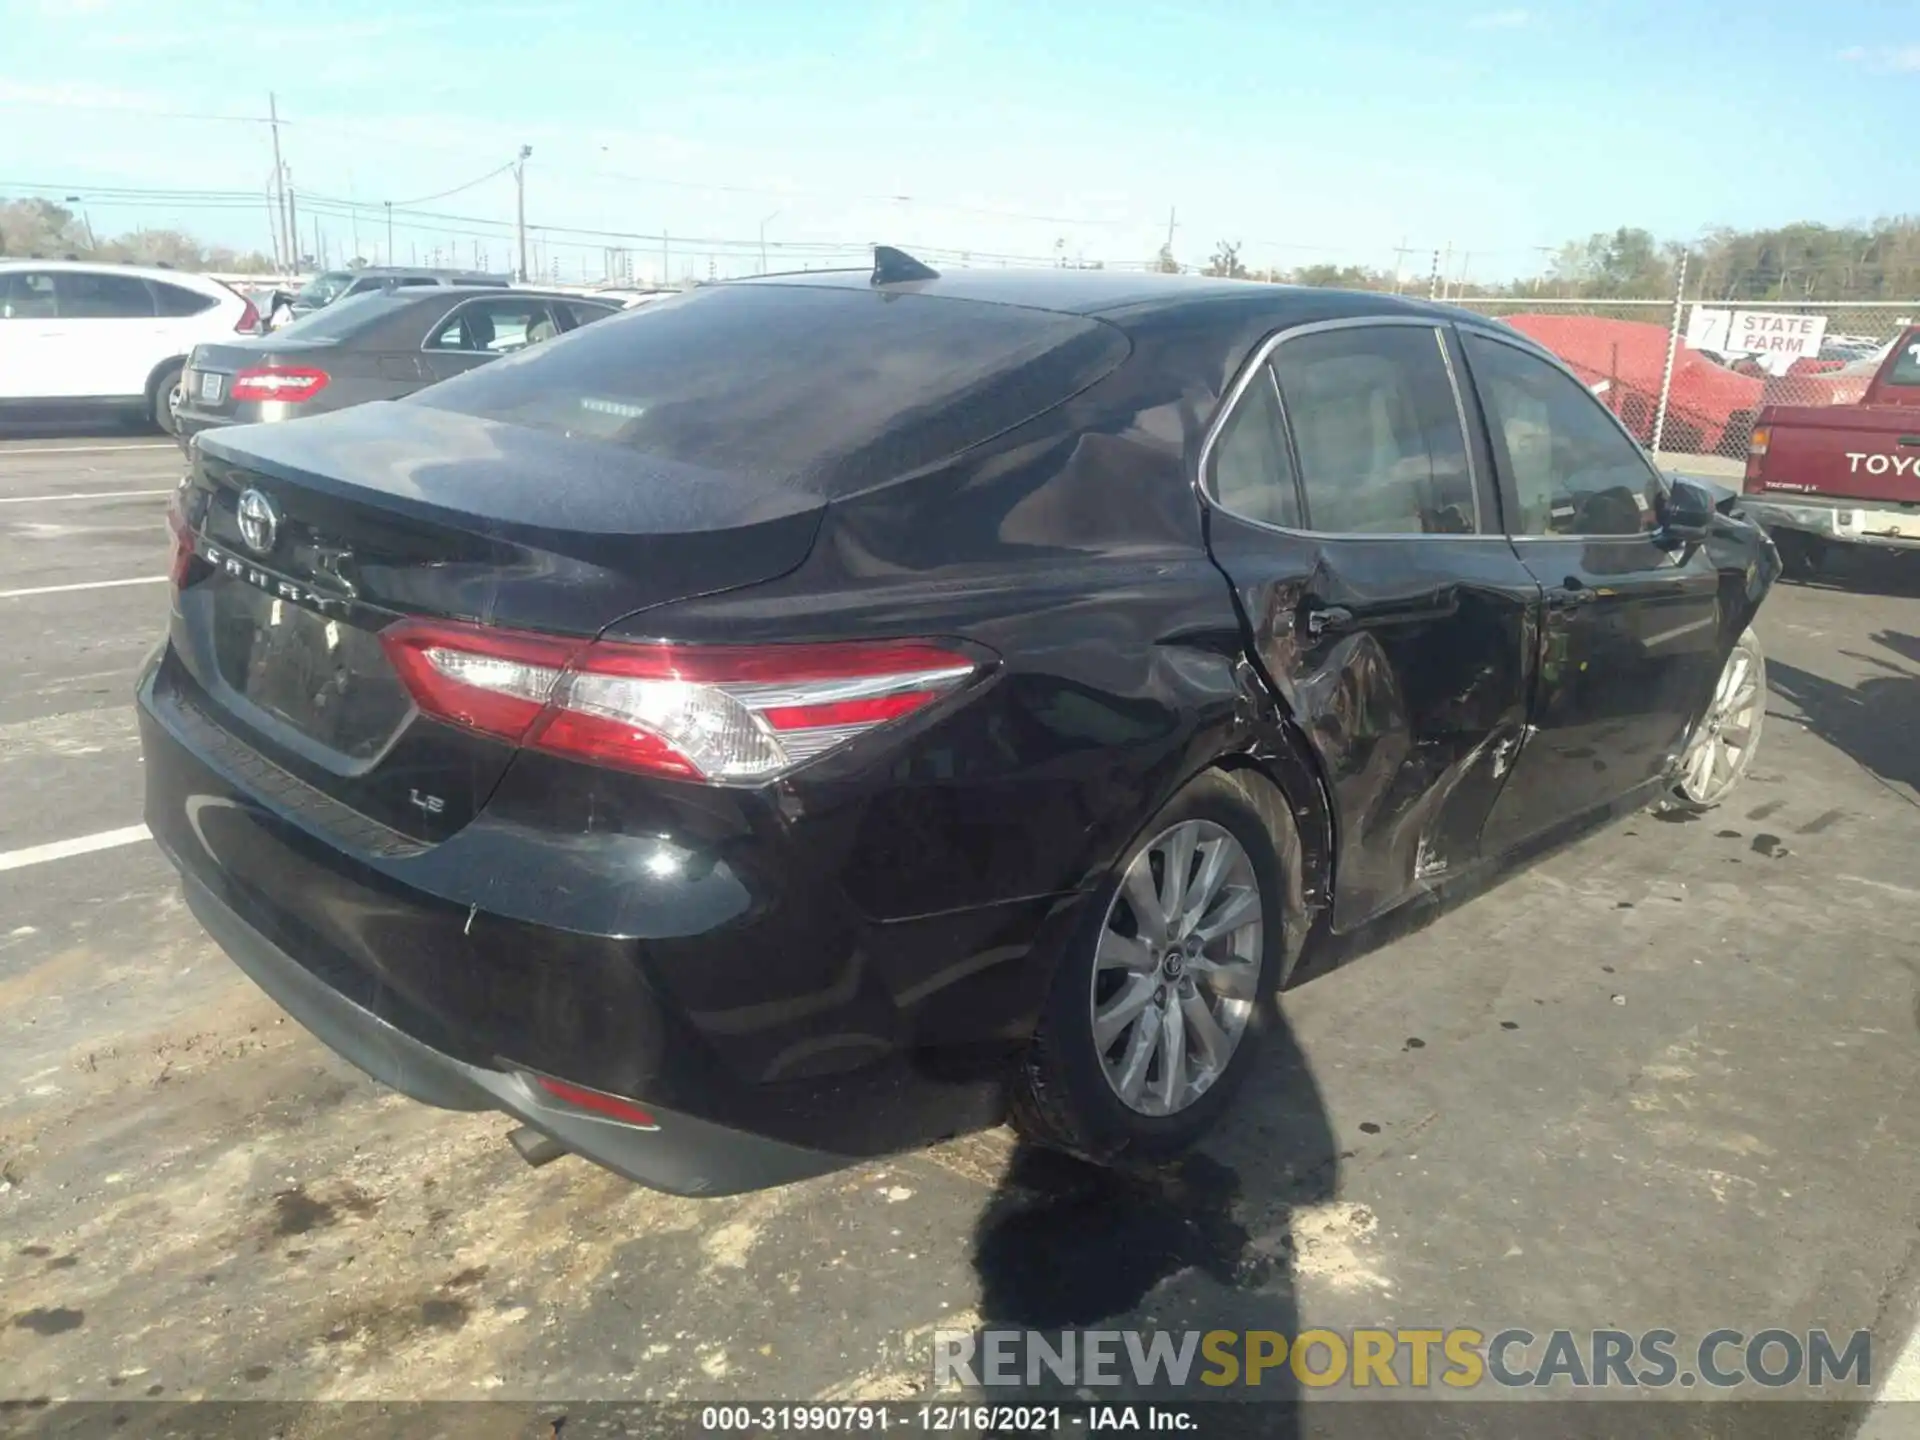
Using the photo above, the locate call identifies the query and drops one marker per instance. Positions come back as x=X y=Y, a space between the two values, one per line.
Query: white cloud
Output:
x=1501 y=20
x=1885 y=59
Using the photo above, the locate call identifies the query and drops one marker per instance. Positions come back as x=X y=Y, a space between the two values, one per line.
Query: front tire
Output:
x=1157 y=1011
x=1726 y=735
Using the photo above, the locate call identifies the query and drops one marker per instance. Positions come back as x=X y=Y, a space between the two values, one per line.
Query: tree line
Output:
x=40 y=229
x=1801 y=261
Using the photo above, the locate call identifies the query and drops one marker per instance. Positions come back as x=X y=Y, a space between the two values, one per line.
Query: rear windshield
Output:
x=346 y=318
x=834 y=389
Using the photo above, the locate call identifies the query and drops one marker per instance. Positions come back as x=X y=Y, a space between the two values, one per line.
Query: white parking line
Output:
x=83 y=449
x=85 y=585
x=80 y=495
x=63 y=849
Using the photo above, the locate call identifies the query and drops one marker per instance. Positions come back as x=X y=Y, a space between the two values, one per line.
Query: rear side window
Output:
x=832 y=388
x=576 y=313
x=1252 y=474
x=177 y=300
x=1377 y=431
x=27 y=295
x=1906 y=364
x=87 y=296
x=493 y=327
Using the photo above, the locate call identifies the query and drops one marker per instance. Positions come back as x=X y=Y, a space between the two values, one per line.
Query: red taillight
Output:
x=735 y=713
x=598 y=1101
x=249 y=322
x=180 y=559
x=279 y=382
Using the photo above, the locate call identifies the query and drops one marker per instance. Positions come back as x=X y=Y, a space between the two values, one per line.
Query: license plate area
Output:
x=212 y=387
x=327 y=679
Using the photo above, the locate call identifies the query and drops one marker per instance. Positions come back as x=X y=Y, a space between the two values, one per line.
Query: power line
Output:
x=443 y=194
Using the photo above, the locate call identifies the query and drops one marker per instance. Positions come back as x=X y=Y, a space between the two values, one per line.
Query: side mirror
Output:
x=1687 y=516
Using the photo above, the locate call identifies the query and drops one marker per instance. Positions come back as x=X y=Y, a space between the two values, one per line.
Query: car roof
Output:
x=109 y=267
x=1103 y=292
x=403 y=271
x=1118 y=295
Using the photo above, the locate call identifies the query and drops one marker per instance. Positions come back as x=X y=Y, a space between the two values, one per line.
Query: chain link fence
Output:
x=1699 y=399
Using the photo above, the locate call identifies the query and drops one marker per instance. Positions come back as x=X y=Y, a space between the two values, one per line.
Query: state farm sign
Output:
x=1766 y=333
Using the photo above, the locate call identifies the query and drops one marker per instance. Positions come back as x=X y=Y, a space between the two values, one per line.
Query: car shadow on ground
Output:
x=1867 y=573
x=1873 y=722
x=1201 y=1244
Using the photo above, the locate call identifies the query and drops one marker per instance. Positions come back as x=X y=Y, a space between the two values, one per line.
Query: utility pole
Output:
x=1433 y=278
x=520 y=204
x=1400 y=253
x=1446 y=265
x=763 y=241
x=293 y=230
x=666 y=261
x=279 y=178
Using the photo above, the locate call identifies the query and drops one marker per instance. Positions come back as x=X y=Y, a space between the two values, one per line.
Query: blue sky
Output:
x=1305 y=131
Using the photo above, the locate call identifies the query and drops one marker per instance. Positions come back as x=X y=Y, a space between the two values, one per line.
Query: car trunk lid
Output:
x=310 y=540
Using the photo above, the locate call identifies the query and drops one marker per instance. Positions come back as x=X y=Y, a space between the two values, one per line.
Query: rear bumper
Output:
x=683 y=1155
x=1842 y=522
x=771 y=1031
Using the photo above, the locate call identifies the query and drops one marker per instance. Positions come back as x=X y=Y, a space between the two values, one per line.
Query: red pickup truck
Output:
x=1823 y=475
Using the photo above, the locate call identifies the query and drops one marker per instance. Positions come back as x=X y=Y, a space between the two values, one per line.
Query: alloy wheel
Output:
x=1724 y=742
x=1176 y=968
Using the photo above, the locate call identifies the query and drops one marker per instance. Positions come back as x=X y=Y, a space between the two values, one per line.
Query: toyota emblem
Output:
x=259 y=522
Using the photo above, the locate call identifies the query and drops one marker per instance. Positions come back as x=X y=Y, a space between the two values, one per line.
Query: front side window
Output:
x=1251 y=472
x=1376 y=428
x=1575 y=472
x=27 y=295
x=87 y=296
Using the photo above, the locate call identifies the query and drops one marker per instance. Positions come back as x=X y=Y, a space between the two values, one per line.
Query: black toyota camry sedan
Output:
x=815 y=715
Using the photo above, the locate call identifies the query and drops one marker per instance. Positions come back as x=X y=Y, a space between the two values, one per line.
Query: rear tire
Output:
x=1070 y=1092
x=162 y=398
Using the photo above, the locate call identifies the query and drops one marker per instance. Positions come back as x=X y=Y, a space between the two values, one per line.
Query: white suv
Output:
x=79 y=336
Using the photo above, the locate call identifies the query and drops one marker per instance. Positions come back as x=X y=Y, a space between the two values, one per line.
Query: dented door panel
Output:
x=1407 y=662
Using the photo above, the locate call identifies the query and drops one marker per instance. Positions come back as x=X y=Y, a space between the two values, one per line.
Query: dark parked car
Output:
x=373 y=347
x=807 y=717
x=331 y=286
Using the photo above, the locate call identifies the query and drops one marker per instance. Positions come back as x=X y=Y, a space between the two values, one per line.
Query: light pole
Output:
x=763 y=240
x=389 y=205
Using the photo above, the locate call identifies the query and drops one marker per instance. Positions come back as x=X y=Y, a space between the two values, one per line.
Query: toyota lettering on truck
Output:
x=1826 y=476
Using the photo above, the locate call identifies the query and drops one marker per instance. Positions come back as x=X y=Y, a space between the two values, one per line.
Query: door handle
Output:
x=1328 y=619
x=1571 y=596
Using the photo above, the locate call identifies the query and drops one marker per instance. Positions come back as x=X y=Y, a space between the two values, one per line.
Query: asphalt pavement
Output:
x=1665 y=1079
